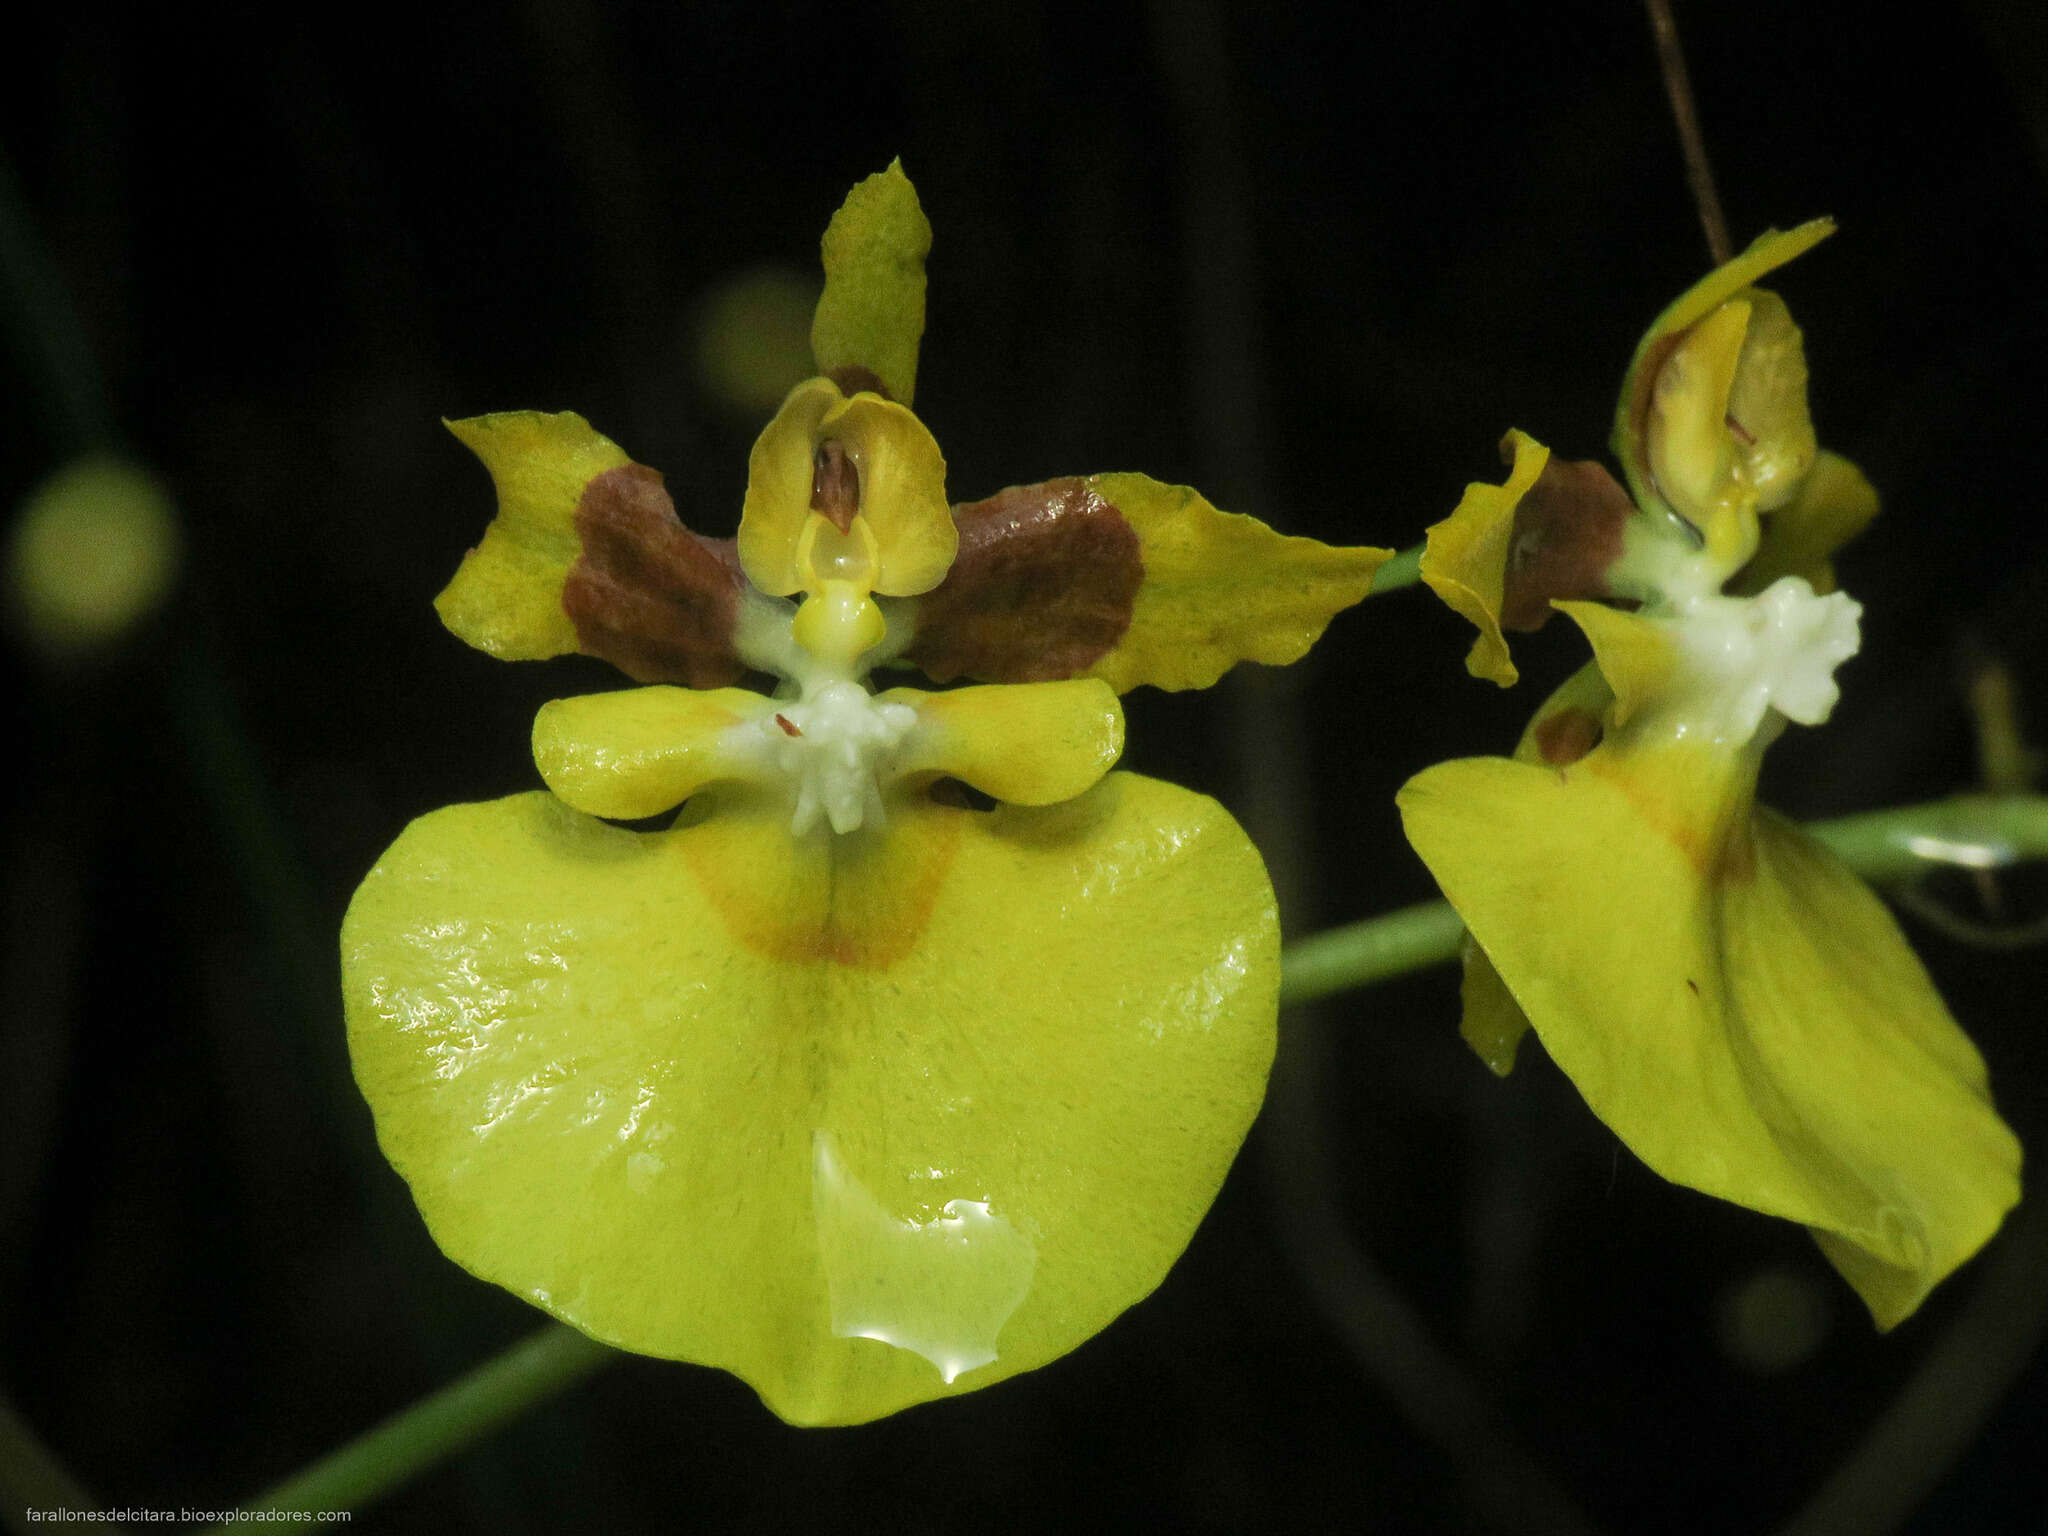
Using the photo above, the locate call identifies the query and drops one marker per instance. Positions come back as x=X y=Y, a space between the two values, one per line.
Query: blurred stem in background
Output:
x=227 y=775
x=435 y=1428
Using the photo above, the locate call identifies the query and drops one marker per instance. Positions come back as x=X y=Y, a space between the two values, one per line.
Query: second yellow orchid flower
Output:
x=1729 y=999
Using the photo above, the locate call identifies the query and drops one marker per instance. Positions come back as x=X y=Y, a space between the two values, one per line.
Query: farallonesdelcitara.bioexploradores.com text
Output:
x=132 y=1516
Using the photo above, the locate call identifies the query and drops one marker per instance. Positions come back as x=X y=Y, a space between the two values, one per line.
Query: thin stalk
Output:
x=1404 y=570
x=439 y=1425
x=43 y=329
x=1884 y=847
x=1968 y=831
x=1378 y=949
x=1699 y=172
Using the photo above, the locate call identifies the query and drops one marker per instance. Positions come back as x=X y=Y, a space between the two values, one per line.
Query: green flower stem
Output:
x=38 y=319
x=1359 y=954
x=1973 y=831
x=1404 y=570
x=1884 y=847
x=436 y=1427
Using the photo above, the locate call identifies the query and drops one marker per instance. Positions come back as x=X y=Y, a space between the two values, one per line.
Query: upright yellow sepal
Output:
x=871 y=316
x=1220 y=588
x=1466 y=558
x=506 y=597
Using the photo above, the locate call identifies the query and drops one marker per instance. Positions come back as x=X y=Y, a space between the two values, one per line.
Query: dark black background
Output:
x=1314 y=259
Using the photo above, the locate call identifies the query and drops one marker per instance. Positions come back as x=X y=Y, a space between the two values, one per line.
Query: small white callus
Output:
x=1778 y=650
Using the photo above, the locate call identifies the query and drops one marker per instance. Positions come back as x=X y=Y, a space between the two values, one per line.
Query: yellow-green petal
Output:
x=1220 y=588
x=640 y=751
x=902 y=493
x=1465 y=560
x=871 y=316
x=506 y=597
x=1768 y=251
x=1767 y=405
x=864 y=1120
x=1733 y=1003
x=1636 y=658
x=1025 y=743
x=778 y=497
x=1688 y=446
x=1833 y=505
x=1491 y=1022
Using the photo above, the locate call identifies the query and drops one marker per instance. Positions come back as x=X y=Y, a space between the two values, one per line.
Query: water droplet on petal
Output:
x=941 y=1288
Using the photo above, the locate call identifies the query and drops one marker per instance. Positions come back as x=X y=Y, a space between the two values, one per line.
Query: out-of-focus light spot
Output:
x=1774 y=1320
x=754 y=338
x=1944 y=850
x=94 y=551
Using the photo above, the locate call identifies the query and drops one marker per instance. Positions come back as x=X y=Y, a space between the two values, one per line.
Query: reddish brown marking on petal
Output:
x=647 y=595
x=1694 y=985
x=1566 y=736
x=1742 y=434
x=835 y=484
x=1567 y=533
x=853 y=379
x=789 y=727
x=1738 y=857
x=1041 y=589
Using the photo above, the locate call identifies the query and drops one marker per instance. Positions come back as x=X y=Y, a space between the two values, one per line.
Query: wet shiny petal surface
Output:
x=865 y=1120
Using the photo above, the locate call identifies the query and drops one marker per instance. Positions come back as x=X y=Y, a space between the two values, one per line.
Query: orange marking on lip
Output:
x=859 y=900
x=1723 y=849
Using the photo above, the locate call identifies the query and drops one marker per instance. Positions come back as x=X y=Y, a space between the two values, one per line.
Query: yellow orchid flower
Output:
x=834 y=1080
x=1730 y=1000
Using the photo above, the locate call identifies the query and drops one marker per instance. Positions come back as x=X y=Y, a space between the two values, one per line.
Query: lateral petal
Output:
x=1465 y=559
x=586 y=554
x=1130 y=580
x=640 y=751
x=1833 y=505
x=1023 y=743
x=506 y=597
